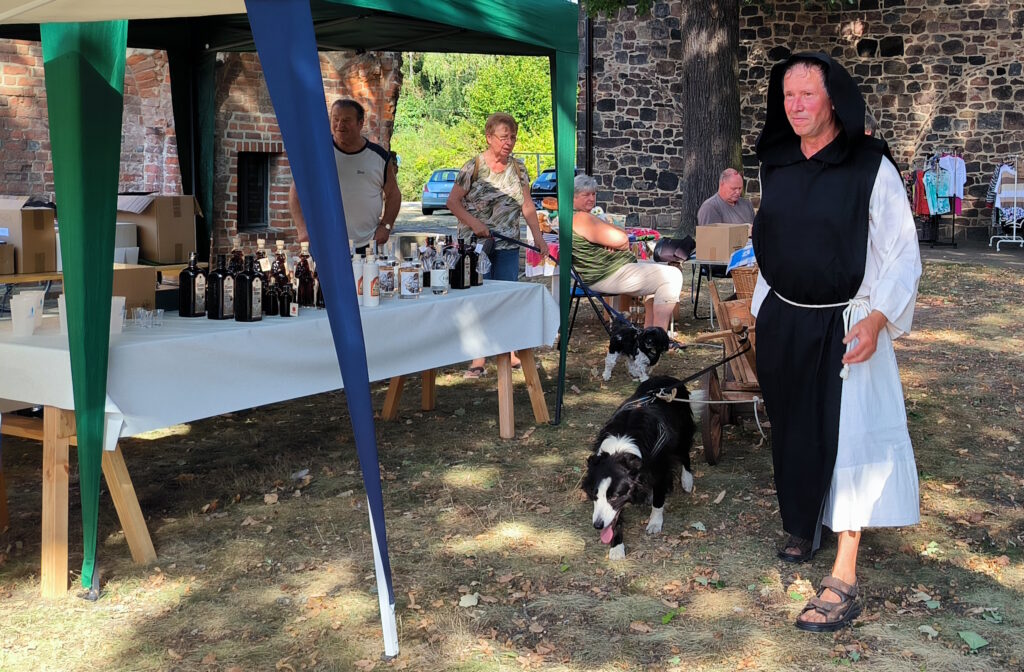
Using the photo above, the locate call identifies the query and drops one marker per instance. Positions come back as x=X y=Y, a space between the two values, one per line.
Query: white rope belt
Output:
x=847 y=318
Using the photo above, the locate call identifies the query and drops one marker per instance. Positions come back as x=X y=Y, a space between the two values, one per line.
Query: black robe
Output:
x=810 y=237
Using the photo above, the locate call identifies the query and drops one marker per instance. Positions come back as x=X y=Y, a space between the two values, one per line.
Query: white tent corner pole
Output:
x=387 y=608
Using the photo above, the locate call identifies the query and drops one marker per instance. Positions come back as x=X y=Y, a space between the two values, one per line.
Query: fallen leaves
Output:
x=270 y=498
x=973 y=640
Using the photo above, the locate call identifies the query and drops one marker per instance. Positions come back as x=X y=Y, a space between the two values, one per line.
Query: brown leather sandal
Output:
x=837 y=614
x=805 y=551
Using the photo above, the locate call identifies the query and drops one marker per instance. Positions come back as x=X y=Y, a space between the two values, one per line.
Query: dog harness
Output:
x=848 y=309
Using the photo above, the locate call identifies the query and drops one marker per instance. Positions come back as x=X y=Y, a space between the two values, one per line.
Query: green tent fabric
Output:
x=84 y=67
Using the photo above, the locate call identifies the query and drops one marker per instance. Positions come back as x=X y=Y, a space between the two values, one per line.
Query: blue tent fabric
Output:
x=283 y=30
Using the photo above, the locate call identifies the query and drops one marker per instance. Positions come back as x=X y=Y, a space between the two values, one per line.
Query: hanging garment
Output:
x=957 y=170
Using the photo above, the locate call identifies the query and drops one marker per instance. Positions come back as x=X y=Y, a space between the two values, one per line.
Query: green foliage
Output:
x=445 y=101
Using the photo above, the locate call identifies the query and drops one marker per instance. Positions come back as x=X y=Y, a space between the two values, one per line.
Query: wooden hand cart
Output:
x=739 y=382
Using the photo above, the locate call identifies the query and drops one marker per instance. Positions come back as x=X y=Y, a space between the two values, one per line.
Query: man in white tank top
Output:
x=367 y=178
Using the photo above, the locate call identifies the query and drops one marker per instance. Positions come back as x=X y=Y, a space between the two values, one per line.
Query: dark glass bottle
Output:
x=427 y=260
x=459 y=278
x=264 y=284
x=271 y=297
x=236 y=263
x=248 y=293
x=285 y=296
x=319 y=291
x=192 y=289
x=220 y=292
x=279 y=269
x=475 y=277
x=306 y=295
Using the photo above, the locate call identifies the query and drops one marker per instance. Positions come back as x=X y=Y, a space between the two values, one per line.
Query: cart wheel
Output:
x=714 y=417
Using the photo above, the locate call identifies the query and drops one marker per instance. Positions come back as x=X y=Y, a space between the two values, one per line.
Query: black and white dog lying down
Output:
x=637 y=457
x=641 y=347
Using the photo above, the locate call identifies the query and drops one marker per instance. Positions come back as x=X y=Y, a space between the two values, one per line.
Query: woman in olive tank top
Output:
x=600 y=252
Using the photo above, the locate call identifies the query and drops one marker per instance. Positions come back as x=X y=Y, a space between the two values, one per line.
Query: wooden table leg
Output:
x=429 y=400
x=56 y=440
x=506 y=410
x=127 y=504
x=390 y=411
x=540 y=407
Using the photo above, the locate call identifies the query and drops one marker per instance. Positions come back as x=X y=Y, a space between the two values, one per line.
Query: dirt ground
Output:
x=259 y=521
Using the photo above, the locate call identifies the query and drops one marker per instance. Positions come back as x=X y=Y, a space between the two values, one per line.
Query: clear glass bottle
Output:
x=386 y=272
x=192 y=289
x=439 y=272
x=410 y=277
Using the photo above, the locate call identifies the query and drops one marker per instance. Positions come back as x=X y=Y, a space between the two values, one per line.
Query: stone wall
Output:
x=244 y=122
x=937 y=75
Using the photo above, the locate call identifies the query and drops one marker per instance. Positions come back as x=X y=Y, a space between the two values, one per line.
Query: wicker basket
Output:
x=744 y=279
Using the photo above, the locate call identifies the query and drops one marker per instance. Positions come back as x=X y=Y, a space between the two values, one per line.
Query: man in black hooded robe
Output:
x=837 y=248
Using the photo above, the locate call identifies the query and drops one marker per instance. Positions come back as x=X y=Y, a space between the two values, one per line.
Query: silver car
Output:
x=437 y=188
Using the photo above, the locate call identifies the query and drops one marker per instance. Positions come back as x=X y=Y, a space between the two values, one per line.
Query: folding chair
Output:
x=579 y=293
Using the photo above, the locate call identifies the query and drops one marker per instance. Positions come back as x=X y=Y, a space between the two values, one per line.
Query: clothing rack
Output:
x=934 y=222
x=1016 y=222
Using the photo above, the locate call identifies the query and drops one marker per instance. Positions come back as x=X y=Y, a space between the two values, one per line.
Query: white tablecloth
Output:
x=196 y=368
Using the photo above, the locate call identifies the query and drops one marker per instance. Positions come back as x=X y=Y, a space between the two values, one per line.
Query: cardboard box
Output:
x=30 y=231
x=717 y=242
x=126 y=234
x=137 y=284
x=6 y=259
x=166 y=225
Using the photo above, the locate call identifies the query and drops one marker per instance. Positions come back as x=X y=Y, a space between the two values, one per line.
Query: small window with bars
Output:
x=253 y=190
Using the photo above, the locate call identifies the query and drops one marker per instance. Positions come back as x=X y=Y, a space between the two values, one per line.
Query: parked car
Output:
x=437 y=188
x=545 y=185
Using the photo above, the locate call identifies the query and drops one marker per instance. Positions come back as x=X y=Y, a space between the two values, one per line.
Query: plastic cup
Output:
x=116 y=314
x=158 y=317
x=40 y=297
x=62 y=309
x=23 y=315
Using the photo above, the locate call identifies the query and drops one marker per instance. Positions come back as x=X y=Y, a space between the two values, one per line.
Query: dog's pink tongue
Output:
x=607 y=534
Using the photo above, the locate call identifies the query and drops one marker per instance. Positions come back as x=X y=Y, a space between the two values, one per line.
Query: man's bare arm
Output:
x=296 y=210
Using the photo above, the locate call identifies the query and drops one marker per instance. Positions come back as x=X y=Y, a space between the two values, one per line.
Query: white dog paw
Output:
x=617 y=552
x=657 y=518
x=686 y=480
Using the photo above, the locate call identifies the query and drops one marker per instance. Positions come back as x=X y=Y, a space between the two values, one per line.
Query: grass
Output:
x=290 y=586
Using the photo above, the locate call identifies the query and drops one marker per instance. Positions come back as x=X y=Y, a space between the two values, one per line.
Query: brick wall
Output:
x=148 y=150
x=244 y=122
x=938 y=75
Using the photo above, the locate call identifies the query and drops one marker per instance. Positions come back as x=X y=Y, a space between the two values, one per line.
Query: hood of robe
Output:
x=779 y=145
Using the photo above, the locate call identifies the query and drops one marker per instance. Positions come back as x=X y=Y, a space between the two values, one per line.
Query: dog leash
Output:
x=590 y=294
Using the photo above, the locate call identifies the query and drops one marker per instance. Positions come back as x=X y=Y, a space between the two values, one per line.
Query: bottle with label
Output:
x=220 y=292
x=387 y=273
x=306 y=291
x=462 y=274
x=263 y=259
x=410 y=277
x=439 y=272
x=192 y=289
x=475 y=277
x=357 y=275
x=371 y=282
x=248 y=293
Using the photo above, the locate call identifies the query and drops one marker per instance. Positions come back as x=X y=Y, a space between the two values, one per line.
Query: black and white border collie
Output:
x=637 y=455
x=641 y=347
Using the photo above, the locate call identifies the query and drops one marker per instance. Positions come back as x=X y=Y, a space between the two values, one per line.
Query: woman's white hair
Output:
x=584 y=184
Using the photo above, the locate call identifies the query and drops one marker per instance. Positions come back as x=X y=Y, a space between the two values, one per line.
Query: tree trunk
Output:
x=708 y=105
